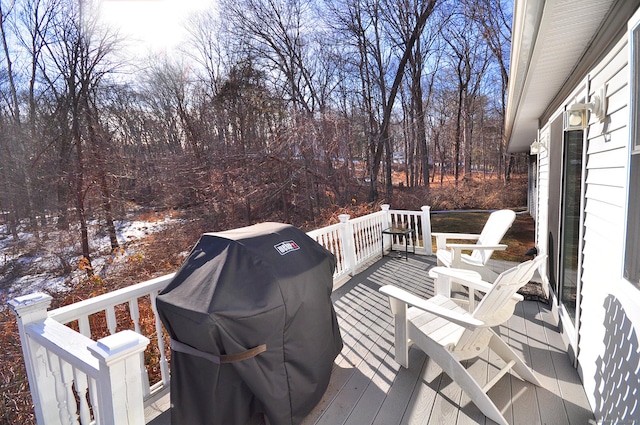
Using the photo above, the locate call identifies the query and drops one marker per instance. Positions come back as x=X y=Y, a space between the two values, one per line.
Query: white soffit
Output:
x=549 y=38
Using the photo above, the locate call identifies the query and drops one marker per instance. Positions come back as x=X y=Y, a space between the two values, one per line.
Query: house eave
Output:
x=550 y=40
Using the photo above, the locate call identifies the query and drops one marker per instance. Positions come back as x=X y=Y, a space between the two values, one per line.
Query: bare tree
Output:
x=422 y=66
x=469 y=62
x=494 y=18
x=278 y=34
x=382 y=68
x=79 y=52
x=279 y=106
x=19 y=182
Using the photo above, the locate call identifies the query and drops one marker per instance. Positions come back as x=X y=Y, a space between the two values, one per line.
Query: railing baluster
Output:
x=82 y=389
x=333 y=243
x=54 y=368
x=164 y=364
x=111 y=319
x=334 y=247
x=134 y=313
x=368 y=241
x=67 y=380
x=84 y=326
x=368 y=237
x=93 y=398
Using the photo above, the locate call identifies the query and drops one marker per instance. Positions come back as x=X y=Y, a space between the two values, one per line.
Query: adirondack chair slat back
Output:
x=496 y=307
x=492 y=232
x=491 y=309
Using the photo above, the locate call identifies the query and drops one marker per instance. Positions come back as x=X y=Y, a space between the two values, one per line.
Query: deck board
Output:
x=368 y=387
x=525 y=408
x=571 y=389
x=552 y=408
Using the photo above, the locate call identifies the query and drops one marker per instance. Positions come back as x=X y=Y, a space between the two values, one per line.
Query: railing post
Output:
x=426 y=229
x=386 y=220
x=120 y=393
x=386 y=223
x=349 y=243
x=30 y=309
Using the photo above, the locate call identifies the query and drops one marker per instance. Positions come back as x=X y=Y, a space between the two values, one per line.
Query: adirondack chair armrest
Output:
x=471 y=280
x=441 y=238
x=457 y=248
x=462 y=246
x=409 y=299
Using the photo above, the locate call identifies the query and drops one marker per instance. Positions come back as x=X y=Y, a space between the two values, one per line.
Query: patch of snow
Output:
x=37 y=283
x=25 y=269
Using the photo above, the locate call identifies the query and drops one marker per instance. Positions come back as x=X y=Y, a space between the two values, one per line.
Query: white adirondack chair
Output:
x=449 y=333
x=451 y=255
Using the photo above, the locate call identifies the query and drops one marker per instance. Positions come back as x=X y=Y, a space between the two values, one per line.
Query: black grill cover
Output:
x=265 y=284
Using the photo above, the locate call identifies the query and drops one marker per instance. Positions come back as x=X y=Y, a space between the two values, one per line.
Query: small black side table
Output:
x=399 y=231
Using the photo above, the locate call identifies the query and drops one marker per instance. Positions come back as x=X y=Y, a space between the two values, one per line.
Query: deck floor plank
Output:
x=571 y=389
x=469 y=412
x=361 y=327
x=525 y=402
x=367 y=386
x=398 y=396
x=552 y=408
x=372 y=350
x=500 y=393
x=422 y=401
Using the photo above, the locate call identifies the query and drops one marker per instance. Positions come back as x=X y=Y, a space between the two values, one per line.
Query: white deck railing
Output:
x=77 y=375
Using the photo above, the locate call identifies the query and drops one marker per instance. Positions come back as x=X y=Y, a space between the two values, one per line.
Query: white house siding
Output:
x=542 y=207
x=604 y=331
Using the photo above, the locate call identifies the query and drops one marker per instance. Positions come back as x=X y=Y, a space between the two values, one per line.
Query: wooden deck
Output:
x=368 y=387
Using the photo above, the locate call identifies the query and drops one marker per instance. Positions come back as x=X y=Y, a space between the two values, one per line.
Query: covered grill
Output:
x=252 y=326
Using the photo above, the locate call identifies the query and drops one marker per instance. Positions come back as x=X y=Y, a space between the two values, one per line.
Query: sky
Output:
x=150 y=26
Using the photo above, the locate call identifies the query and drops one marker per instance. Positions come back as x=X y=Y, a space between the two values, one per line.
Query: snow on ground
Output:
x=28 y=266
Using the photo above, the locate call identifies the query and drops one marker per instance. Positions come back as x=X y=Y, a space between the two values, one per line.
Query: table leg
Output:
x=406 y=248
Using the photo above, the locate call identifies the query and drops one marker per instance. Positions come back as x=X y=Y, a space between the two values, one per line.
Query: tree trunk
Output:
x=383 y=134
x=80 y=211
x=389 y=171
x=79 y=170
x=421 y=130
x=21 y=168
x=105 y=191
x=458 y=136
x=108 y=213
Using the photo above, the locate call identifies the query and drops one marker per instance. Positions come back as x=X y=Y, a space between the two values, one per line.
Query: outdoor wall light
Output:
x=536 y=148
x=576 y=117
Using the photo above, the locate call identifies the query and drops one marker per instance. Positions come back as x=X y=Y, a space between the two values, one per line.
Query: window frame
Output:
x=631 y=262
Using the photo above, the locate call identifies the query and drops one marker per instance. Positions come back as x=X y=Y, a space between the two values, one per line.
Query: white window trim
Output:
x=633 y=247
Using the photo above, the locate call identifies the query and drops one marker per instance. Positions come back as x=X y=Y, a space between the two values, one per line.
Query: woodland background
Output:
x=273 y=109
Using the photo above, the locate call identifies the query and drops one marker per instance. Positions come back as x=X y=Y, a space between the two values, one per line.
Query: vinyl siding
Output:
x=604 y=293
x=604 y=224
x=542 y=207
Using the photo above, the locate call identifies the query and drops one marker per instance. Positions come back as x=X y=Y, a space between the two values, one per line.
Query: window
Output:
x=571 y=220
x=632 y=248
x=632 y=251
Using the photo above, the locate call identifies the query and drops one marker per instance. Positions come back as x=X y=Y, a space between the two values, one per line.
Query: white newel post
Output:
x=386 y=220
x=349 y=245
x=426 y=229
x=119 y=383
x=386 y=223
x=30 y=309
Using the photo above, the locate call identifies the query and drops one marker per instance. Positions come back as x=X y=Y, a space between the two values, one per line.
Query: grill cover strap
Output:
x=224 y=358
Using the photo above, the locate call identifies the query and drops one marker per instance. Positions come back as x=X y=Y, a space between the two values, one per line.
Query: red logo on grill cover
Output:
x=285 y=247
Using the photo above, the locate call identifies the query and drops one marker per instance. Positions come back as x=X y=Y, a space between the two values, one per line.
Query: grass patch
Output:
x=519 y=238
